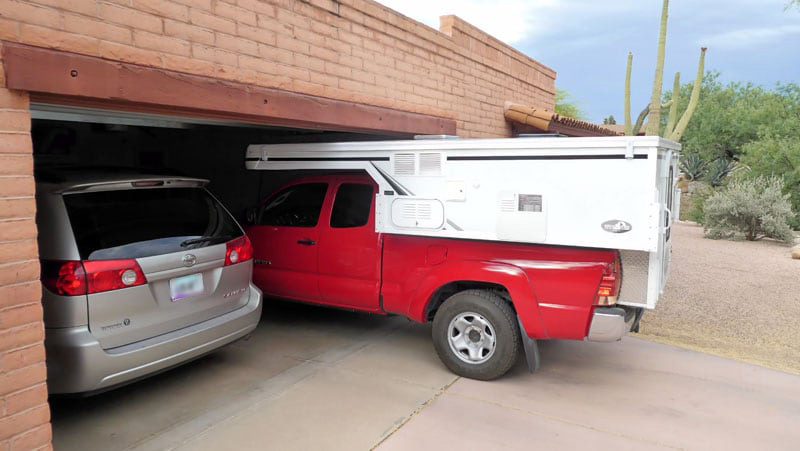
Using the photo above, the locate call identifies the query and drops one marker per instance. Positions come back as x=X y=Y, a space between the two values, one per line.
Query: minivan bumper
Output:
x=77 y=363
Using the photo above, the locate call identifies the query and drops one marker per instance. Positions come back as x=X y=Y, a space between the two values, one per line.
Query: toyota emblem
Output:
x=189 y=260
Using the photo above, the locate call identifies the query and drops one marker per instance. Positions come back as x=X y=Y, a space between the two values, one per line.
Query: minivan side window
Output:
x=295 y=206
x=352 y=205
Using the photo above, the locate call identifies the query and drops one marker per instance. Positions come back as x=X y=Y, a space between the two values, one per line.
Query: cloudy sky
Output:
x=587 y=41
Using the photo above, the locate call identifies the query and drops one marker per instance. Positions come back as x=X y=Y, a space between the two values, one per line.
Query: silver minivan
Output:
x=140 y=273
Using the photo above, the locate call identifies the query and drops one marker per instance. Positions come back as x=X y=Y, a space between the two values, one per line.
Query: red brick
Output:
x=16 y=186
x=51 y=38
x=130 y=54
x=17 y=229
x=292 y=44
x=19 y=143
x=257 y=64
x=237 y=44
x=24 y=421
x=276 y=54
x=33 y=439
x=11 y=273
x=289 y=17
x=29 y=13
x=97 y=28
x=190 y=65
x=11 y=251
x=20 y=293
x=15 y=121
x=257 y=34
x=338 y=70
x=130 y=17
x=15 y=100
x=20 y=315
x=214 y=55
x=86 y=7
x=26 y=398
x=12 y=381
x=206 y=20
x=188 y=32
x=161 y=43
x=258 y=6
x=22 y=357
x=16 y=164
x=235 y=13
x=163 y=8
x=9 y=29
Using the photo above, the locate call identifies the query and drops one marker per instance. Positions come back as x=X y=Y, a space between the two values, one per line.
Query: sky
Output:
x=587 y=41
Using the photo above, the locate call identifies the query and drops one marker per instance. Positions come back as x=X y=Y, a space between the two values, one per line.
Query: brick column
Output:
x=24 y=412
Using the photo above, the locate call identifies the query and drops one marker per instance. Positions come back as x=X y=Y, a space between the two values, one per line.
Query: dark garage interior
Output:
x=165 y=145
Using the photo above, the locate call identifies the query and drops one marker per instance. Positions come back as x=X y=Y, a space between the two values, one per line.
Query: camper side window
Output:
x=296 y=206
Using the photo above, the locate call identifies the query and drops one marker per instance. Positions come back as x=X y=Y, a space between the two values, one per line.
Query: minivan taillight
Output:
x=238 y=250
x=608 y=290
x=65 y=278
x=109 y=275
x=76 y=278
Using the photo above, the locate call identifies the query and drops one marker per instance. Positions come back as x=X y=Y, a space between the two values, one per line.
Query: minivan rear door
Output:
x=177 y=235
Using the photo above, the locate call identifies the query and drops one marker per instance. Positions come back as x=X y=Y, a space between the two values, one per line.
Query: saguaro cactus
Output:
x=694 y=99
x=654 y=122
x=652 y=112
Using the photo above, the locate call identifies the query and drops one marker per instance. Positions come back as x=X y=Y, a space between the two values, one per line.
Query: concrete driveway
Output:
x=313 y=378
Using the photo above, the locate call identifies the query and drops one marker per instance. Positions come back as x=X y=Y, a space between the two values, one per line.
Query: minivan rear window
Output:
x=145 y=222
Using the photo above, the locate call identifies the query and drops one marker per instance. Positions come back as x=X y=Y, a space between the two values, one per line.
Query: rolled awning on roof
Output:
x=538 y=120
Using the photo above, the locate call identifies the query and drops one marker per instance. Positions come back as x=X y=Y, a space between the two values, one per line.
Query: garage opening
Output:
x=65 y=136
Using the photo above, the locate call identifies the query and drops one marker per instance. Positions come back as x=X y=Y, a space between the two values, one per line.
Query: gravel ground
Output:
x=735 y=299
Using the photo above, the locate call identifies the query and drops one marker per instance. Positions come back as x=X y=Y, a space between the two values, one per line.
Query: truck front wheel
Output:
x=476 y=335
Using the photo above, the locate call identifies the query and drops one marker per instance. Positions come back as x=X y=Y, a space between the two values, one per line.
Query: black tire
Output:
x=492 y=310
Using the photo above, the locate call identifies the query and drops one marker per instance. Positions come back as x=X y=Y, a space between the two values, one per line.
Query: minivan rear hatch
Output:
x=176 y=236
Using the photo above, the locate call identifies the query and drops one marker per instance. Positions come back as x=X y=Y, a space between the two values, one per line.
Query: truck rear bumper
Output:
x=608 y=324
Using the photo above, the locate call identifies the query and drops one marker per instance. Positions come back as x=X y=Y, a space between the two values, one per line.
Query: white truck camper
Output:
x=605 y=192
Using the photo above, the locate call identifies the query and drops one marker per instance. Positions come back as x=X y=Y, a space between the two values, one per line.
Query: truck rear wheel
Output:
x=476 y=335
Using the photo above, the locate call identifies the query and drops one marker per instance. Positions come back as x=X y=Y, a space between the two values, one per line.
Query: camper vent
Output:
x=404 y=164
x=417 y=213
x=430 y=164
x=508 y=205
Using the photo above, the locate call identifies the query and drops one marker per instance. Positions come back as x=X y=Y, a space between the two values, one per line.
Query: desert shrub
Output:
x=752 y=207
x=700 y=192
x=779 y=156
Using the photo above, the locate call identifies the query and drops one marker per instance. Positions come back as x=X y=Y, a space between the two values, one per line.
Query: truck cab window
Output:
x=296 y=206
x=352 y=205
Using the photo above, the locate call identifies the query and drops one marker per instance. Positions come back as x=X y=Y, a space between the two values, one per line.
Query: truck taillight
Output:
x=608 y=290
x=76 y=278
x=238 y=250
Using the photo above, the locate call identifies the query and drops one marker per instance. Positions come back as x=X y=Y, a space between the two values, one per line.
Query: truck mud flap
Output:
x=531 y=349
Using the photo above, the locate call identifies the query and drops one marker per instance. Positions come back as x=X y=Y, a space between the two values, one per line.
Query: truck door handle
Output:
x=306 y=242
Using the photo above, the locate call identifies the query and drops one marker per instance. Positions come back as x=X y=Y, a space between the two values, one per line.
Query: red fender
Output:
x=511 y=277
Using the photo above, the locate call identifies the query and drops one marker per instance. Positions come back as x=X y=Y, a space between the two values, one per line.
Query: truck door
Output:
x=349 y=249
x=285 y=242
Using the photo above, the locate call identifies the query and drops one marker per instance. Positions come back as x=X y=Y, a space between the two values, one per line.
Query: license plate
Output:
x=186 y=286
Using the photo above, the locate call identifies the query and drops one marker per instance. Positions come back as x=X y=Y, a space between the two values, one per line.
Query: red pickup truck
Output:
x=314 y=241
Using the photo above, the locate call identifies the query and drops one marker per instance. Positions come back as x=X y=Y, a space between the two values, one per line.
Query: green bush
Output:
x=754 y=207
x=700 y=193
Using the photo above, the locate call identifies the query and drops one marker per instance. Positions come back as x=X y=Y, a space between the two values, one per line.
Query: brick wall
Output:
x=24 y=414
x=354 y=50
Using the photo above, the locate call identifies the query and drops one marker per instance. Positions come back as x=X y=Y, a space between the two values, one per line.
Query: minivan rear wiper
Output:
x=203 y=239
